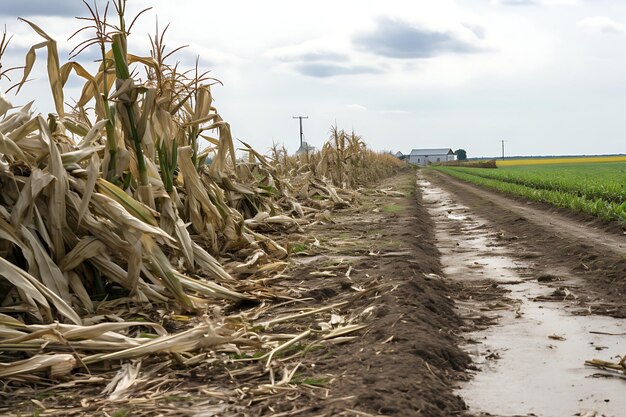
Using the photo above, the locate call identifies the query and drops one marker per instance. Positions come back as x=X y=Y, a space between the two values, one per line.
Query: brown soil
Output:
x=579 y=261
x=406 y=362
x=380 y=259
x=585 y=247
x=415 y=373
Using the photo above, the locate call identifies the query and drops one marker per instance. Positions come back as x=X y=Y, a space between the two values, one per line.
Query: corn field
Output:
x=109 y=211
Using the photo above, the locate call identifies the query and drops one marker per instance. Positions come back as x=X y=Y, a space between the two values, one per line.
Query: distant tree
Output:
x=461 y=155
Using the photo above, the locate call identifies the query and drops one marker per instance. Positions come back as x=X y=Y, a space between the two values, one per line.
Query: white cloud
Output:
x=211 y=54
x=533 y=76
x=535 y=2
x=515 y=2
x=356 y=107
x=395 y=112
x=316 y=58
x=602 y=24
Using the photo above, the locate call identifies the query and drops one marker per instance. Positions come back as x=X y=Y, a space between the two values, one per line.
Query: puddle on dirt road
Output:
x=532 y=361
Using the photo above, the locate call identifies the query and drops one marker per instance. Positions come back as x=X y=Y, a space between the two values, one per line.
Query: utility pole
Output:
x=502 y=141
x=301 y=134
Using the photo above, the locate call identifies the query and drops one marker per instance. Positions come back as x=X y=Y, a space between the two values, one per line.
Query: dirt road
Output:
x=537 y=286
x=529 y=284
x=584 y=247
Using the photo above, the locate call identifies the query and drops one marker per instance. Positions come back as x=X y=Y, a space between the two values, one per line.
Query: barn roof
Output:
x=430 y=152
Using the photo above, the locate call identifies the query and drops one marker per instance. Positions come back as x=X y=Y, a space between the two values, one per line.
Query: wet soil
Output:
x=557 y=276
x=406 y=362
x=393 y=265
x=532 y=288
x=374 y=264
x=529 y=345
x=551 y=239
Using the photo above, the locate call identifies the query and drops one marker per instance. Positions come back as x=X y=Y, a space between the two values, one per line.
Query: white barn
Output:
x=430 y=156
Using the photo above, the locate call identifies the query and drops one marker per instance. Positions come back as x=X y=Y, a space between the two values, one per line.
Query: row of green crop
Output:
x=607 y=210
x=591 y=181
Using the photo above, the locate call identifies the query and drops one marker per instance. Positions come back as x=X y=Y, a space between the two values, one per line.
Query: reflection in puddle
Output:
x=532 y=361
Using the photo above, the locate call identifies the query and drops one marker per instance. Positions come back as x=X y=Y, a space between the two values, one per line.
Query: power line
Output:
x=301 y=134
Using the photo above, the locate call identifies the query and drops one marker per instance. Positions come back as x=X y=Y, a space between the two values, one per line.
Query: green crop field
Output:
x=594 y=188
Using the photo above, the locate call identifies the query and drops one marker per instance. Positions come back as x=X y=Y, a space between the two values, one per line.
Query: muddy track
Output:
x=553 y=240
x=536 y=289
x=410 y=361
x=555 y=221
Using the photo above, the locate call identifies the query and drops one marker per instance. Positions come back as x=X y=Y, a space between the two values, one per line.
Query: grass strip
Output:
x=593 y=181
x=606 y=210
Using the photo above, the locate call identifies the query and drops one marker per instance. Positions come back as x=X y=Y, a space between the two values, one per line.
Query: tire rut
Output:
x=563 y=225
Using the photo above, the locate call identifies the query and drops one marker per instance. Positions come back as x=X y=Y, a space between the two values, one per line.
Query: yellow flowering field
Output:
x=563 y=160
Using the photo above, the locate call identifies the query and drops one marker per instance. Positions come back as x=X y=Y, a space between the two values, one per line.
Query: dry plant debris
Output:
x=132 y=252
x=619 y=366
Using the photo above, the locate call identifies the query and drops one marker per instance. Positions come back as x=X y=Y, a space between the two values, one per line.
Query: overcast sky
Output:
x=547 y=76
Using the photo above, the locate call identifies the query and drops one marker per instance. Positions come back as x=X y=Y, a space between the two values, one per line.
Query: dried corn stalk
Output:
x=115 y=210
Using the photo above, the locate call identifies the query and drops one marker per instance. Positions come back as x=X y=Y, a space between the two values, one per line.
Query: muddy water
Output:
x=532 y=361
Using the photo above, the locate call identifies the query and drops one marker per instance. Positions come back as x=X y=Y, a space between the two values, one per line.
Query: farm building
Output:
x=430 y=156
x=400 y=156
